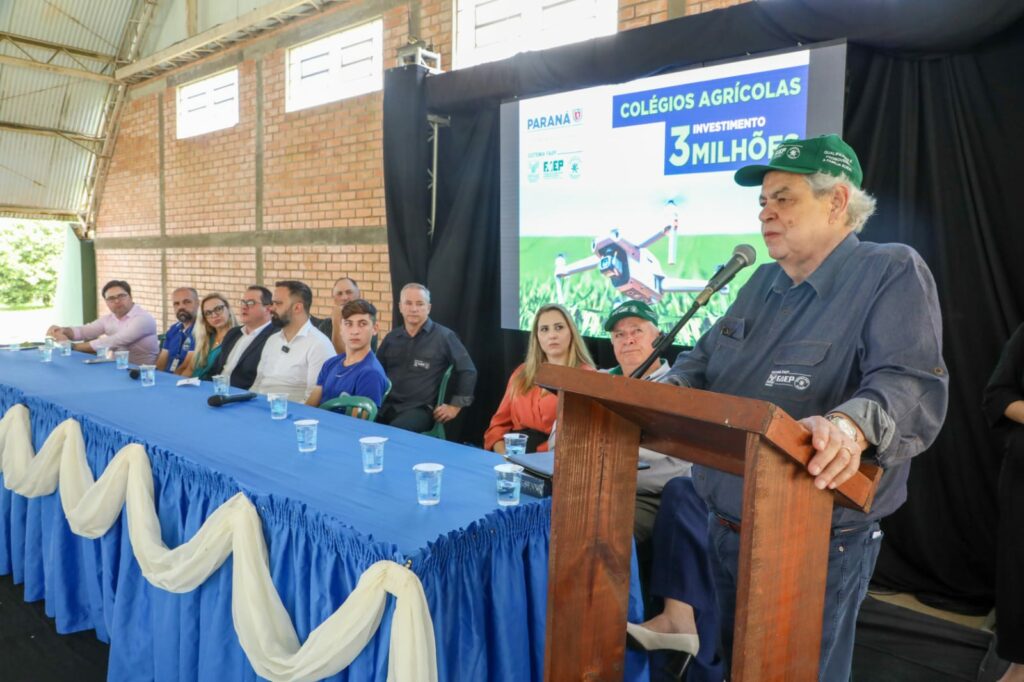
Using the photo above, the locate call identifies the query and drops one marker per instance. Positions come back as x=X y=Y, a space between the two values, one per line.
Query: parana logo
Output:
x=570 y=117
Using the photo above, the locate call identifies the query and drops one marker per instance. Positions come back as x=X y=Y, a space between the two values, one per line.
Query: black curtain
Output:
x=939 y=141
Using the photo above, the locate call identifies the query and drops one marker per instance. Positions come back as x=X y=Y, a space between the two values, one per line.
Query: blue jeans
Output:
x=681 y=570
x=851 y=561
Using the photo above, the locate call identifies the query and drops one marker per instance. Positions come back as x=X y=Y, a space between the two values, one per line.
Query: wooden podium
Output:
x=784 y=535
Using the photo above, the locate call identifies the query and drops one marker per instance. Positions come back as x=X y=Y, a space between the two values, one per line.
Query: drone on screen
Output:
x=630 y=265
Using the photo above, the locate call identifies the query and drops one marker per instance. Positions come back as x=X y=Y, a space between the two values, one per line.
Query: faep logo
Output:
x=783 y=377
x=563 y=119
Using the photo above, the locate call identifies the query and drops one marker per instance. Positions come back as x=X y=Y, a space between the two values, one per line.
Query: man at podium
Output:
x=845 y=336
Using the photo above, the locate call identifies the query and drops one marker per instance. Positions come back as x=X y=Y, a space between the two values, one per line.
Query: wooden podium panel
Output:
x=784 y=537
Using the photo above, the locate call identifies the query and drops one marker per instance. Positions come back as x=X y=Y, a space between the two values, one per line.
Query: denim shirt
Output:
x=862 y=335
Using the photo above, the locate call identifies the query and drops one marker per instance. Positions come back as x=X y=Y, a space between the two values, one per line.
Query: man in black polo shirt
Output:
x=415 y=357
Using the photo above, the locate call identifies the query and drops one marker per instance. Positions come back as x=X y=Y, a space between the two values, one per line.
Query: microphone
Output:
x=218 y=400
x=134 y=373
x=742 y=256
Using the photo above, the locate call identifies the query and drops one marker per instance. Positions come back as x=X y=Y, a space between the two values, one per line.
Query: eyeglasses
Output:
x=216 y=310
x=116 y=297
x=248 y=302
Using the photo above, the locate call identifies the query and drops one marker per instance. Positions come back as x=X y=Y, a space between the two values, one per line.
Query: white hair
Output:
x=860 y=206
x=417 y=285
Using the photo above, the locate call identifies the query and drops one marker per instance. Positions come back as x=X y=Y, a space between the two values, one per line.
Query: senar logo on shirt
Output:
x=421 y=364
x=783 y=377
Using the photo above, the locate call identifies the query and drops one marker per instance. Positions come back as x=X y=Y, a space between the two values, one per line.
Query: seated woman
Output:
x=217 y=320
x=356 y=371
x=526 y=407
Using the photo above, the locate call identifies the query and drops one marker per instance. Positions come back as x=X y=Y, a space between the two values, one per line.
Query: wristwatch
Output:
x=844 y=424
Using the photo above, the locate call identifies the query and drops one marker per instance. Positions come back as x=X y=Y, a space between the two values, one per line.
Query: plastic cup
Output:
x=515 y=444
x=428 y=483
x=49 y=342
x=373 y=453
x=65 y=348
x=510 y=480
x=278 y=405
x=221 y=384
x=305 y=433
x=147 y=374
x=46 y=353
x=121 y=357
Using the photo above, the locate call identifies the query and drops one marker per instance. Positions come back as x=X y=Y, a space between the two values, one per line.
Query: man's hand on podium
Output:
x=837 y=455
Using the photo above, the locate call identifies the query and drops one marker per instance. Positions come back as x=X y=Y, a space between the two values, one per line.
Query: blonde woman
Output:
x=528 y=408
x=217 y=319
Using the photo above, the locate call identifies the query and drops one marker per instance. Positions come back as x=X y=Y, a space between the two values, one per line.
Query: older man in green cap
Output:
x=670 y=523
x=633 y=326
x=844 y=335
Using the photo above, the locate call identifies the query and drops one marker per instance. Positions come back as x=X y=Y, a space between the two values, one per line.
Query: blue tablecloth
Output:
x=483 y=568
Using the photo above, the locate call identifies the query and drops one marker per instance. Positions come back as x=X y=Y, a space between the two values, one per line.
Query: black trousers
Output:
x=1010 y=550
x=416 y=419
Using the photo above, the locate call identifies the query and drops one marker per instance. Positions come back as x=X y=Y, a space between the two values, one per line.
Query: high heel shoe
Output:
x=649 y=640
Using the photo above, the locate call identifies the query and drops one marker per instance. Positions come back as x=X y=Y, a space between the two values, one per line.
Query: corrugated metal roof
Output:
x=50 y=100
x=95 y=25
x=42 y=168
x=42 y=171
x=51 y=119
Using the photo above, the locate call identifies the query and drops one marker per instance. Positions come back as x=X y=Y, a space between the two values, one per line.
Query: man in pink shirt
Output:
x=126 y=327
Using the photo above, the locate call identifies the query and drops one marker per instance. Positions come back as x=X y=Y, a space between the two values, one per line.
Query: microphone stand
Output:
x=665 y=340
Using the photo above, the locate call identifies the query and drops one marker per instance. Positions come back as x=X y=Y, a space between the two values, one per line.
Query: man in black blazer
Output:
x=243 y=345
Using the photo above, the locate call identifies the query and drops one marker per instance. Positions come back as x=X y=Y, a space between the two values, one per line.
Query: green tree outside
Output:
x=30 y=256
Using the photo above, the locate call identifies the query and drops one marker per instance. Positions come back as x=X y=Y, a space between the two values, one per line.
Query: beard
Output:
x=281 y=320
x=185 y=317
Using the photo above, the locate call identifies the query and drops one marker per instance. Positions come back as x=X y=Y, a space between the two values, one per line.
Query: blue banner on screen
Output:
x=625 y=191
x=722 y=124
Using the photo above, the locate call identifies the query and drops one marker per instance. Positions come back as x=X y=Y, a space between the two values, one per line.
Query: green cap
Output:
x=631 y=309
x=825 y=154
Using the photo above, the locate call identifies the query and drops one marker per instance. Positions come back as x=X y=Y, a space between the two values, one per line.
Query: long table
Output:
x=483 y=568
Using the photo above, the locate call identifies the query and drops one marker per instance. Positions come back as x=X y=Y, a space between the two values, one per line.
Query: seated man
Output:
x=178 y=339
x=356 y=371
x=415 y=357
x=293 y=356
x=243 y=345
x=671 y=524
x=126 y=327
x=344 y=290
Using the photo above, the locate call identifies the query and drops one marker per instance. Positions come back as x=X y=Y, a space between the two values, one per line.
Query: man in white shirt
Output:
x=293 y=356
x=243 y=345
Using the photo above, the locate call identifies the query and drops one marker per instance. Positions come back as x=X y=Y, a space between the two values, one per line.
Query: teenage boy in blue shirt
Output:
x=356 y=371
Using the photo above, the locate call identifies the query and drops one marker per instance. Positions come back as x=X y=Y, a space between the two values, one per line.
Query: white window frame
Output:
x=329 y=78
x=474 y=19
x=208 y=104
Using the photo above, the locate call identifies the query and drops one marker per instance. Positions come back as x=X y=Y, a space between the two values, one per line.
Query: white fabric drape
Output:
x=264 y=627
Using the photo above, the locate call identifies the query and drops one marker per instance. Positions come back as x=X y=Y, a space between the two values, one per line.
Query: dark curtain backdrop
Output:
x=937 y=131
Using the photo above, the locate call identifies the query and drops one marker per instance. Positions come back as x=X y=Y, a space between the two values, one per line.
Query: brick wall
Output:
x=229 y=195
x=209 y=180
x=135 y=266
x=227 y=271
x=132 y=208
x=368 y=264
x=324 y=166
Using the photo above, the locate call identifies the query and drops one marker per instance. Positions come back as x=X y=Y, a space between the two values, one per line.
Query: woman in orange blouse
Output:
x=526 y=407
